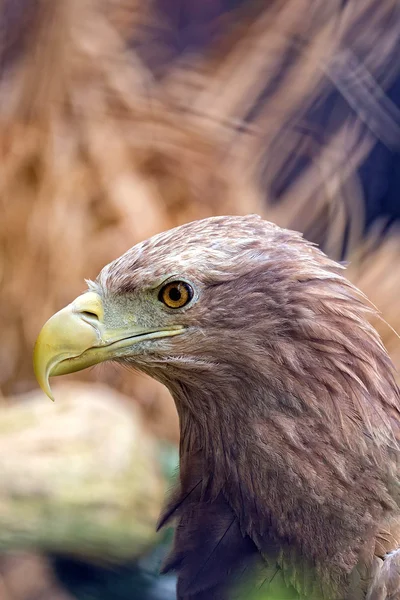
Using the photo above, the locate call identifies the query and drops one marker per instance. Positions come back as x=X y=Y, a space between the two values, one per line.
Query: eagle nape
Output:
x=288 y=405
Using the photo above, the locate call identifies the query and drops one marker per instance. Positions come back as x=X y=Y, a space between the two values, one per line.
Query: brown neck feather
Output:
x=307 y=469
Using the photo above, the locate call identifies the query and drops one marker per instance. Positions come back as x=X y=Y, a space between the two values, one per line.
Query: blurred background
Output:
x=122 y=118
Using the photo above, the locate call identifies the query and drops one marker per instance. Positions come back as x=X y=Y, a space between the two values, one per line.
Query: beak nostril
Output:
x=89 y=307
x=89 y=314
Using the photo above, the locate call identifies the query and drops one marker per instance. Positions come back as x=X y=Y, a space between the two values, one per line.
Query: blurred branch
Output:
x=80 y=477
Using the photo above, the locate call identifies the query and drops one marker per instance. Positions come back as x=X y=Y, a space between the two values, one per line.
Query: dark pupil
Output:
x=175 y=294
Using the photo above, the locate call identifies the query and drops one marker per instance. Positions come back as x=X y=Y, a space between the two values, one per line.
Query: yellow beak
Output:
x=76 y=338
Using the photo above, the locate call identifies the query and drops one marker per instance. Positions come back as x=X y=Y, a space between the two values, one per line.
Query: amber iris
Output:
x=176 y=294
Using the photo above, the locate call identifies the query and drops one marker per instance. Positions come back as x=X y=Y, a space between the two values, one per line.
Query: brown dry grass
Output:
x=96 y=154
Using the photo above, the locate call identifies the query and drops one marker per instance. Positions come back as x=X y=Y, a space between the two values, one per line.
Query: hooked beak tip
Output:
x=41 y=369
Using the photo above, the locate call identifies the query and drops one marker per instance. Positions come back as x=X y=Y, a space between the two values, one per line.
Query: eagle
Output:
x=287 y=401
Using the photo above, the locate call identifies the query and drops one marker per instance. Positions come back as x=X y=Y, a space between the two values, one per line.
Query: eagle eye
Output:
x=176 y=294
